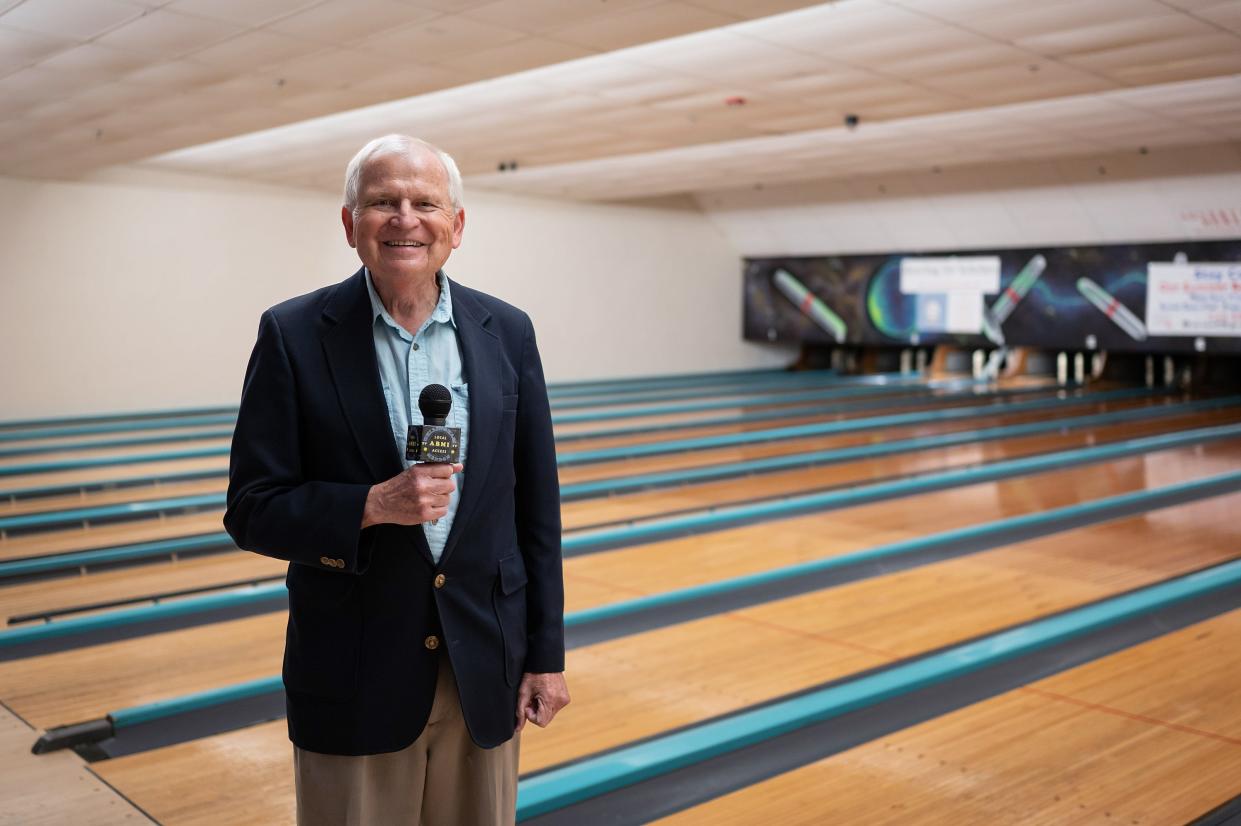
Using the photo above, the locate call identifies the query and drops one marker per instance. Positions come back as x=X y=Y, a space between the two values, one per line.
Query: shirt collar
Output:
x=442 y=312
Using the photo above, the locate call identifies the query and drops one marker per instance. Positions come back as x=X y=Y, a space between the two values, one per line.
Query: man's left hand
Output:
x=539 y=697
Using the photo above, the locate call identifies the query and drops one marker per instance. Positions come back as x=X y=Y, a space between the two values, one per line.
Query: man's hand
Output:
x=539 y=697
x=416 y=495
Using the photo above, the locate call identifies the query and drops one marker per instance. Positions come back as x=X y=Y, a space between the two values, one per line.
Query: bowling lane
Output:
x=218 y=483
x=70 y=453
x=584 y=513
x=740 y=453
x=641 y=685
x=108 y=535
x=115 y=473
x=748 y=420
x=114 y=496
x=586 y=570
x=151 y=579
x=1151 y=734
x=122 y=669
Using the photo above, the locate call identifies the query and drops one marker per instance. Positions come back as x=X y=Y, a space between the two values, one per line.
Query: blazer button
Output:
x=432 y=642
x=439 y=580
x=326 y=561
x=340 y=563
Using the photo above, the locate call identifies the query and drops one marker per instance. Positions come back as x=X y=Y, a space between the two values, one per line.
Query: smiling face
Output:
x=404 y=226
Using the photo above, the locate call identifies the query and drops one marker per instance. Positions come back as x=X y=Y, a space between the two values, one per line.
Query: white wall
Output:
x=1167 y=194
x=141 y=290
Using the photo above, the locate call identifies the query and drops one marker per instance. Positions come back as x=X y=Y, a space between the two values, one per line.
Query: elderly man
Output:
x=425 y=620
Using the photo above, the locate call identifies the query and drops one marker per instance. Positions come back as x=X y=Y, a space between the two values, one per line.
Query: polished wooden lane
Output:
x=877 y=407
x=644 y=504
x=122 y=672
x=218 y=483
x=110 y=534
x=641 y=685
x=72 y=447
x=138 y=581
x=679 y=563
x=575 y=513
x=589 y=512
x=783 y=447
x=1151 y=734
x=101 y=476
x=71 y=453
x=114 y=496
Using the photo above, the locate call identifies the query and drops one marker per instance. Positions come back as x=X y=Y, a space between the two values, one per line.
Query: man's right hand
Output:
x=418 y=494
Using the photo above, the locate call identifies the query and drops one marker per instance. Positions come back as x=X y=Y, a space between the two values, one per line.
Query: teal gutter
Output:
x=775 y=434
x=204 y=452
x=122 y=553
x=111 y=484
x=585 y=490
x=675 y=378
x=74 y=487
x=193 y=435
x=557 y=788
x=123 y=422
x=1219 y=485
x=584 y=543
x=112 y=461
x=58 y=628
x=133 y=441
x=118 y=417
x=859 y=399
x=619 y=394
x=192 y=702
x=123 y=427
x=765 y=389
x=55 y=629
x=696 y=407
x=42 y=520
x=835 y=499
x=625 y=484
x=1046 y=521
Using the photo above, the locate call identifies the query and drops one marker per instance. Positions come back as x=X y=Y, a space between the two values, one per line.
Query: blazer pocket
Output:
x=509 y=602
x=322 y=643
x=508 y=403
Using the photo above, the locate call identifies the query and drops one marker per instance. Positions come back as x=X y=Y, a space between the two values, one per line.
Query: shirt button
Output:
x=432 y=642
x=439 y=580
x=415 y=345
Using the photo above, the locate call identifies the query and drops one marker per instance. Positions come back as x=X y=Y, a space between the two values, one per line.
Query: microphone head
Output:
x=435 y=402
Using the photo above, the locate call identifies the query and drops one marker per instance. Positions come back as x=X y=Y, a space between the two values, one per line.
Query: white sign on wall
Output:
x=950 y=290
x=951 y=274
x=1193 y=299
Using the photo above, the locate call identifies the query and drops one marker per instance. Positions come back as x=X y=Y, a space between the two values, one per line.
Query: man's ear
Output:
x=458 y=228
x=346 y=218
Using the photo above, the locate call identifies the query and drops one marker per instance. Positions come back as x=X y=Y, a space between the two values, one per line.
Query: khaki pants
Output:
x=442 y=779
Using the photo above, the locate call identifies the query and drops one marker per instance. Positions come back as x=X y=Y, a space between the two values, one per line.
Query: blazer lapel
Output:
x=350 y=350
x=480 y=357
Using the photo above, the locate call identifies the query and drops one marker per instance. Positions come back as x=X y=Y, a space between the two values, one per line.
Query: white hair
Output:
x=400 y=145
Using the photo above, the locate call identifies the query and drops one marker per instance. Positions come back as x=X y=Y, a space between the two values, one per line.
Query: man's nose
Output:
x=405 y=215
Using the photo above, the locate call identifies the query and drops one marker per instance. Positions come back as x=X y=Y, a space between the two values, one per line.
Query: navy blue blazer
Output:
x=312 y=437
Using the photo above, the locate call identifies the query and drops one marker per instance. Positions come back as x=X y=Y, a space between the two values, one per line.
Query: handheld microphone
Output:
x=433 y=440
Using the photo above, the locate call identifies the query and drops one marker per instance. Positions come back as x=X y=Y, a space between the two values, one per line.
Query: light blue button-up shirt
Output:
x=408 y=363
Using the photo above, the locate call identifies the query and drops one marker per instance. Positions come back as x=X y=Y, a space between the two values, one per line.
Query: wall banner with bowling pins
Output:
x=1178 y=297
